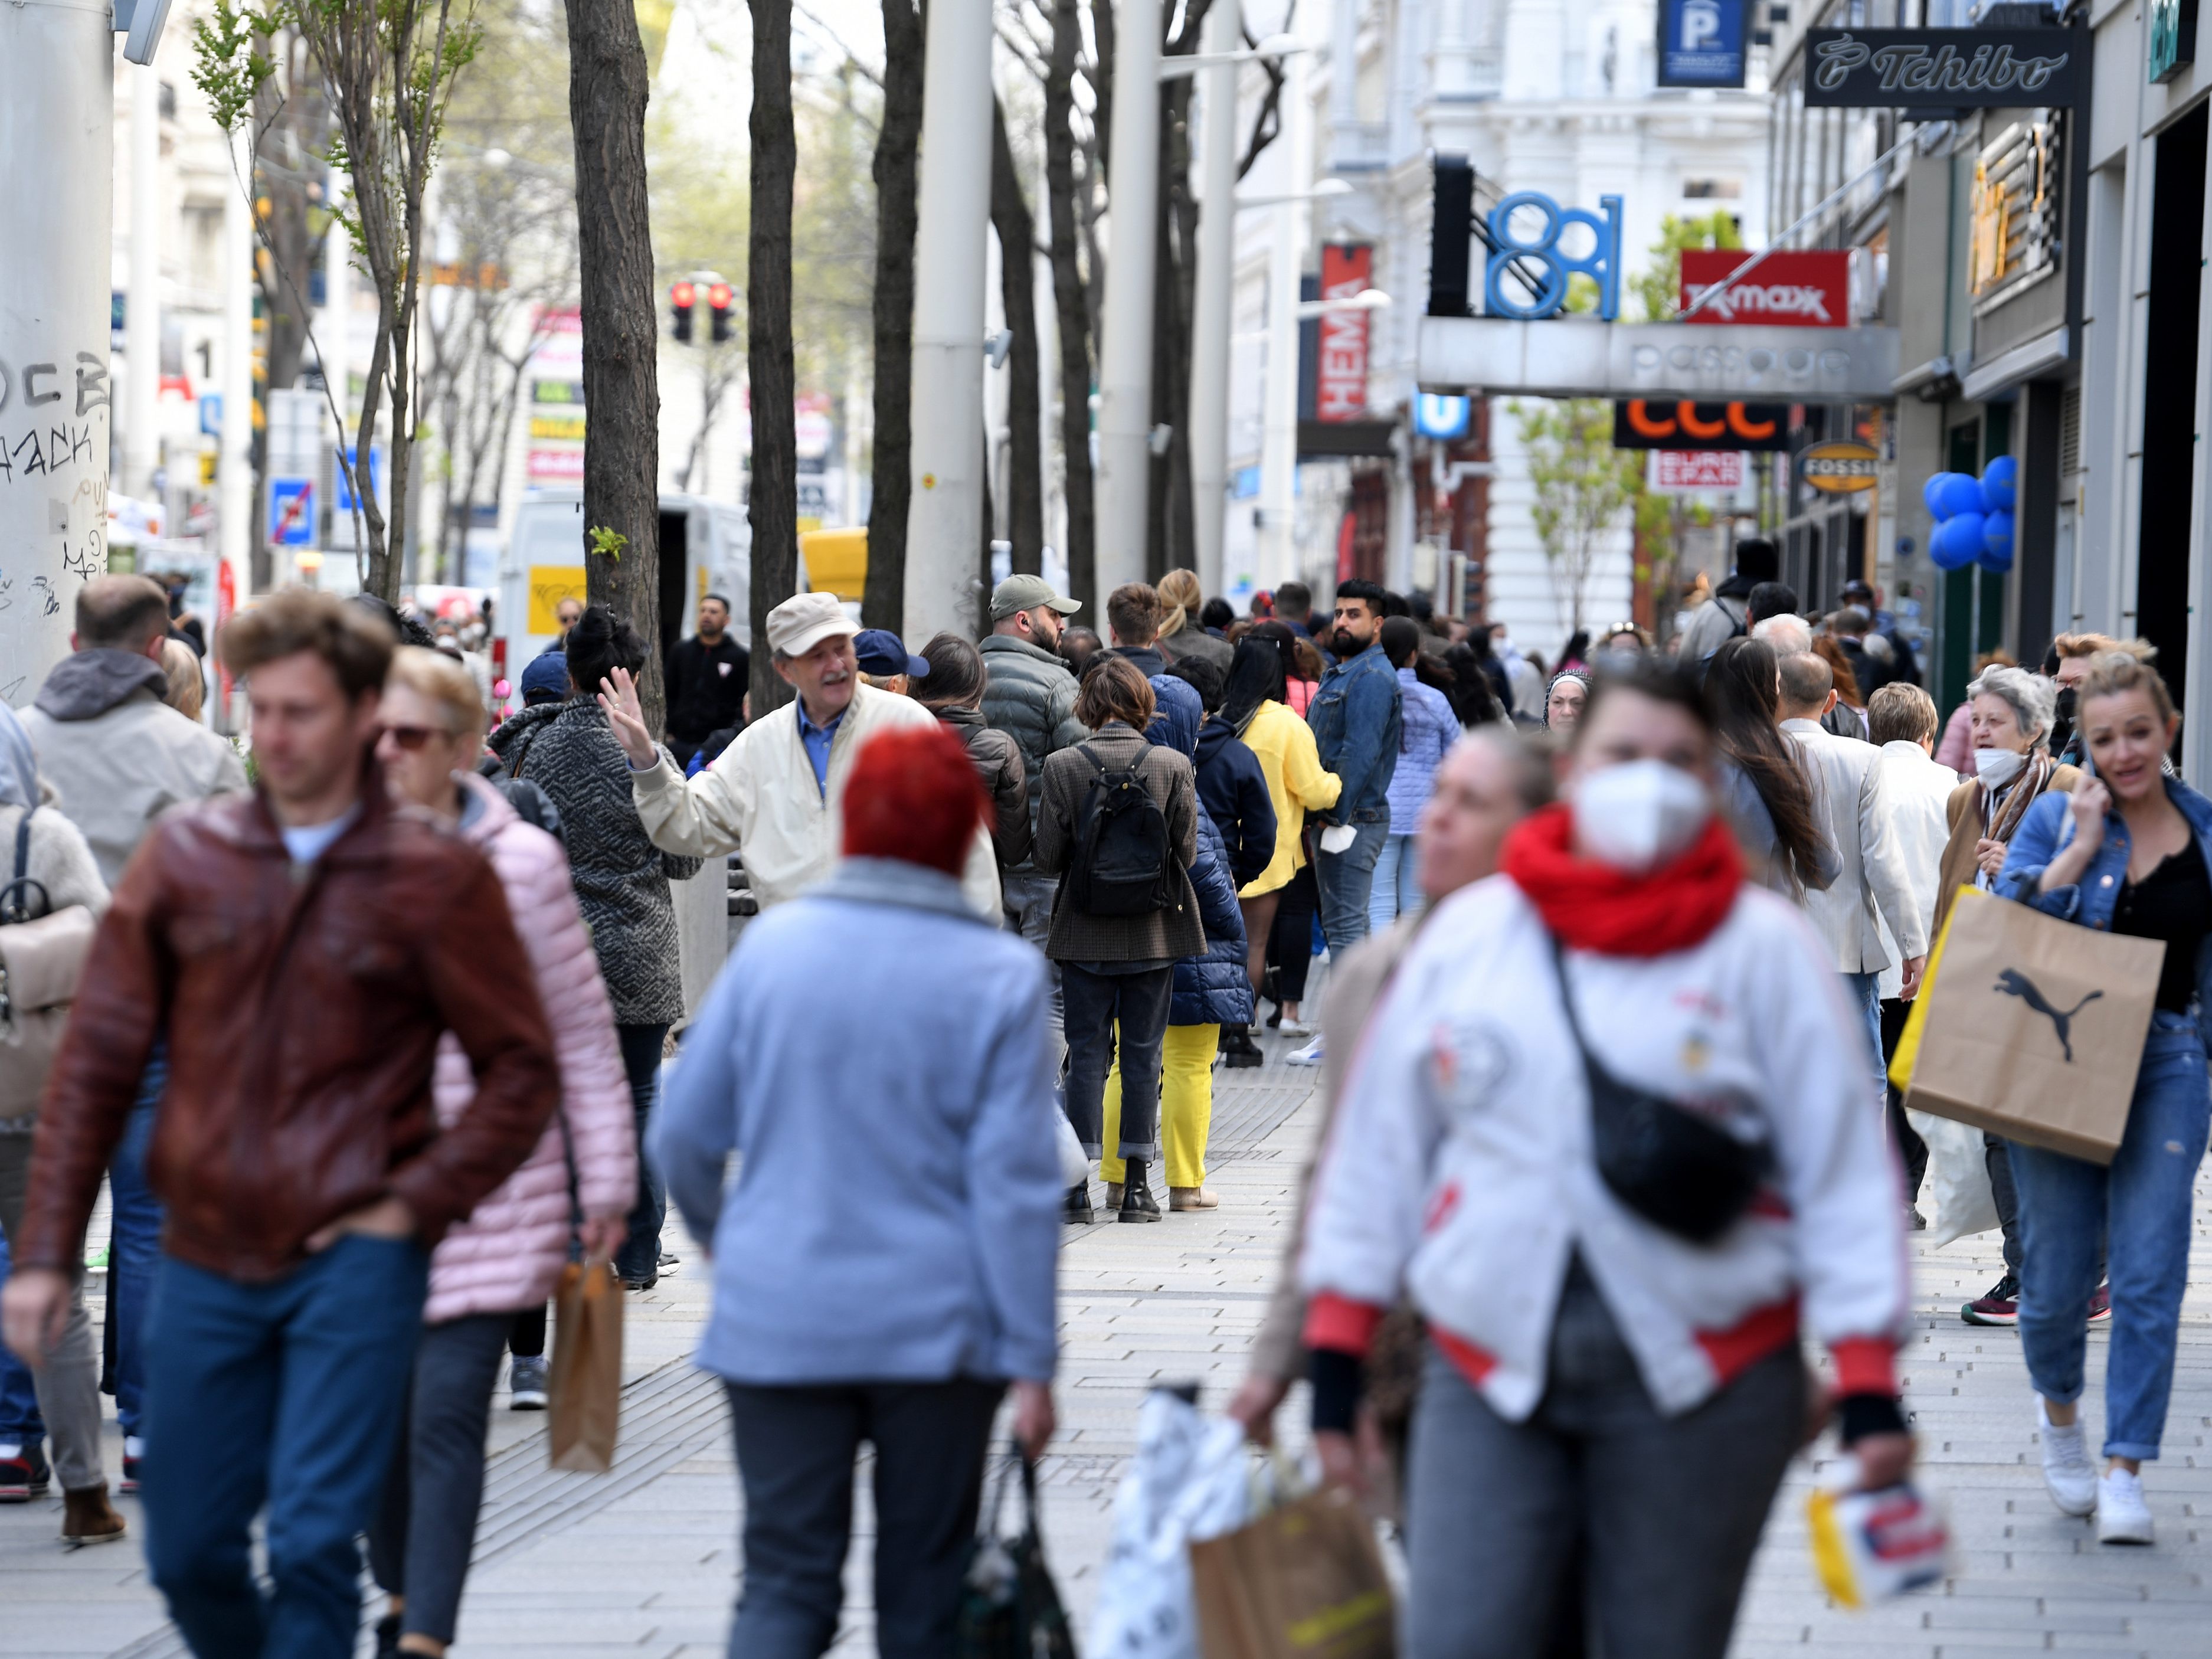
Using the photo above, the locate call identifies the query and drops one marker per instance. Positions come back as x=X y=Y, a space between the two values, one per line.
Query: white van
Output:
x=705 y=547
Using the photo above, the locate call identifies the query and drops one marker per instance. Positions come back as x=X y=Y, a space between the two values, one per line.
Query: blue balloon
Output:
x=1957 y=542
x=1960 y=496
x=1931 y=492
x=2000 y=479
x=1995 y=551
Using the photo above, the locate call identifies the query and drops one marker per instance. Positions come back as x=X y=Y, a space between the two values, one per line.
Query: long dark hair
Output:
x=1742 y=698
x=1256 y=675
x=1473 y=699
x=597 y=645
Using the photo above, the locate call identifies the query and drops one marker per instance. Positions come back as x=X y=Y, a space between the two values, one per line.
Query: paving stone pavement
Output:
x=644 y=1560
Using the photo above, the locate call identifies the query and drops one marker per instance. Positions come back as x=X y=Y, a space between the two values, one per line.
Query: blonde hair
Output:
x=2098 y=645
x=186 y=691
x=2115 y=673
x=1900 y=712
x=434 y=675
x=1180 y=598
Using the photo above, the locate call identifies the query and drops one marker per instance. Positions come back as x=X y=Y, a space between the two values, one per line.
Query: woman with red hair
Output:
x=883 y=1269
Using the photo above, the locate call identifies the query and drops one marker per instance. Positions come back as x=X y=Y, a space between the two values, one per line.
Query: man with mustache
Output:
x=1355 y=716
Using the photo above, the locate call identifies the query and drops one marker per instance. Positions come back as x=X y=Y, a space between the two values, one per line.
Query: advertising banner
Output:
x=1813 y=290
x=1658 y=423
x=1945 y=68
x=1341 y=382
x=1693 y=472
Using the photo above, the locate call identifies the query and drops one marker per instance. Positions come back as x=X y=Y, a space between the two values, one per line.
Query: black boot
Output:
x=1076 y=1208
x=1138 y=1203
x=1238 y=1051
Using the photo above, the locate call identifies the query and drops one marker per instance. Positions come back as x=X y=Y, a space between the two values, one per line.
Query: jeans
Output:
x=1864 y=993
x=20 y=1422
x=426 y=1523
x=1112 y=1016
x=1347 y=882
x=2141 y=1206
x=134 y=1246
x=638 y=1261
x=289 y=1395
x=1396 y=892
x=795 y=1452
x=1594 y=1482
x=1186 y=1059
x=1289 y=937
x=67 y=1386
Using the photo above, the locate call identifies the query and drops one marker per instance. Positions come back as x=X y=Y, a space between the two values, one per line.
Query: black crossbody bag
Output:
x=1664 y=1162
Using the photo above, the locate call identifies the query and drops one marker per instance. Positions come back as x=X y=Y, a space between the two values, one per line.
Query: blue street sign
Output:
x=1436 y=416
x=291 y=513
x=1701 y=43
x=341 y=497
x=211 y=414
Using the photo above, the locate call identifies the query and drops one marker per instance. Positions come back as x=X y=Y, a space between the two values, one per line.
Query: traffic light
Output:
x=718 y=303
x=682 y=296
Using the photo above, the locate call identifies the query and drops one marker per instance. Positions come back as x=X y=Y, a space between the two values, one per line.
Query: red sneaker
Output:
x=2100 y=1305
x=25 y=1476
x=2000 y=1306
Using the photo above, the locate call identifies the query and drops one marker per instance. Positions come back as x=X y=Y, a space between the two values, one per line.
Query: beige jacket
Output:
x=114 y=773
x=760 y=798
x=1859 y=819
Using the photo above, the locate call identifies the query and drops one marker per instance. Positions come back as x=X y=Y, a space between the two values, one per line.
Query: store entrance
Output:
x=2169 y=464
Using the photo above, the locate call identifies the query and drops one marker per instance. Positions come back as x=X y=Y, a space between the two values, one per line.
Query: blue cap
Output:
x=882 y=653
x=547 y=675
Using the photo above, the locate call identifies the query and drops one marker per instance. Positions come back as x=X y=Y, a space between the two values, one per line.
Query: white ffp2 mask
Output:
x=1640 y=815
x=1996 y=767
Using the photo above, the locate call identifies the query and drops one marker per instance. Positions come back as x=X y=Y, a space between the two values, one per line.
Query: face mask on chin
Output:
x=1639 y=815
x=1996 y=767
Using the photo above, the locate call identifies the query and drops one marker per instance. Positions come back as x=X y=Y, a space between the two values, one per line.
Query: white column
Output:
x=141 y=318
x=945 y=525
x=234 y=457
x=1217 y=281
x=56 y=205
x=1279 y=451
x=1125 y=354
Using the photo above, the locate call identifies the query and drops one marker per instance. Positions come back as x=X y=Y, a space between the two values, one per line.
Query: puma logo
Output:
x=2014 y=984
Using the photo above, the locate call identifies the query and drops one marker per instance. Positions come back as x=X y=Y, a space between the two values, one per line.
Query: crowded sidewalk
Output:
x=643 y=1560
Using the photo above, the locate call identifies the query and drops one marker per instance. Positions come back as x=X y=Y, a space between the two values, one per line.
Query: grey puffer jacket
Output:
x=1029 y=695
x=621 y=877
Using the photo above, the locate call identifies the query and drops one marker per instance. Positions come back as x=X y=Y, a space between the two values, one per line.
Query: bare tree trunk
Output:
x=774 y=497
x=607 y=93
x=898 y=148
x=1016 y=231
x=1070 y=303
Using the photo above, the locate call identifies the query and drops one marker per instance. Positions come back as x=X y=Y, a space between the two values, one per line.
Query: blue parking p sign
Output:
x=1701 y=43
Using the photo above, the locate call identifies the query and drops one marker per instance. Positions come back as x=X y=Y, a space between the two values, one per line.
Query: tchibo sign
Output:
x=1811 y=289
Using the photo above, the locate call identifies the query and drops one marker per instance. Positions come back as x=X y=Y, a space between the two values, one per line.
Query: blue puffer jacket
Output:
x=1211 y=988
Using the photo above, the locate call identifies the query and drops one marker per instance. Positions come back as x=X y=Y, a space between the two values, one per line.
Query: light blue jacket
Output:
x=1427 y=729
x=2045 y=831
x=875 y=1055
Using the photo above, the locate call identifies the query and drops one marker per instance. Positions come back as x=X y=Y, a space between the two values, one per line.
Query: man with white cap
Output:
x=775 y=792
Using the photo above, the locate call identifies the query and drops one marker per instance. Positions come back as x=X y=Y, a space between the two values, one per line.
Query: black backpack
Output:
x=1123 y=861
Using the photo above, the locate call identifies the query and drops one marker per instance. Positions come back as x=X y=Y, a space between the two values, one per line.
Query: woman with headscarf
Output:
x=1212 y=990
x=46 y=868
x=1564 y=699
x=1279 y=903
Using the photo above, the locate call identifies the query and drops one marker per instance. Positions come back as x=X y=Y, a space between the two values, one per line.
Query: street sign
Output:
x=1701 y=43
x=1842 y=468
x=1660 y=424
x=291 y=513
x=1576 y=357
x=1945 y=68
x=1813 y=288
x=1694 y=471
x=1442 y=417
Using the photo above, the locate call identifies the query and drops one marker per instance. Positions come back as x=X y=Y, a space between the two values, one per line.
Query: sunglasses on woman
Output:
x=411 y=738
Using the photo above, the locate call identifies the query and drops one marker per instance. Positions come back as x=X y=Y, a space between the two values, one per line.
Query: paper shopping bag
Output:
x=2035 y=1028
x=1303 y=1581
x=1915 y=1023
x=587 y=1375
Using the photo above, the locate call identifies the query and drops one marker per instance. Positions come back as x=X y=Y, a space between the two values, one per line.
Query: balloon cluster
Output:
x=1973 y=516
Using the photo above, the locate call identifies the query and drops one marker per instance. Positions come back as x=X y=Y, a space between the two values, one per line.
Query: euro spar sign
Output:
x=1812 y=290
x=1340 y=374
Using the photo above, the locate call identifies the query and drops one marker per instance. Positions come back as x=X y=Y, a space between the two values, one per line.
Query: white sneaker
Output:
x=1294 y=1028
x=1309 y=1055
x=2067 y=1474
x=2123 y=1517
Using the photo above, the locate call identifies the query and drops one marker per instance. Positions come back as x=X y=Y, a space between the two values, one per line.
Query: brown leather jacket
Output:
x=303 y=1005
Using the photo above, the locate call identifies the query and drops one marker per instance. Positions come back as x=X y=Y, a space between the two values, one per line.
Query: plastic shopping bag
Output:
x=1074 y=1163
x=1870 y=1545
x=1958 y=1178
x=1192 y=1478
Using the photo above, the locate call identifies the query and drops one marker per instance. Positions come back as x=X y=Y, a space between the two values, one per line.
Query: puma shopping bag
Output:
x=2034 y=1027
x=1304 y=1581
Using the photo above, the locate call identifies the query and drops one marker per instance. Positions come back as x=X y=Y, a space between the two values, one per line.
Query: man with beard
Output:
x=1355 y=717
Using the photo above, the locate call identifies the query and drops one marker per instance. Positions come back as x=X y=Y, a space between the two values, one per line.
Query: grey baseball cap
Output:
x=1026 y=593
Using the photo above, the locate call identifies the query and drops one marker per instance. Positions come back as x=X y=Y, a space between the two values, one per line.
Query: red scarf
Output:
x=1594 y=907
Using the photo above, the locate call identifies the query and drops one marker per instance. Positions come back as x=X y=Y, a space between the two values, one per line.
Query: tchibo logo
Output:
x=1781 y=301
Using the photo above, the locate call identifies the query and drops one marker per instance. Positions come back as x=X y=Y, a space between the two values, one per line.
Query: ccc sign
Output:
x=1647 y=424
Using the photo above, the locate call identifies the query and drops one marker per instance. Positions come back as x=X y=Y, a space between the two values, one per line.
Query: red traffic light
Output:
x=719 y=296
x=682 y=296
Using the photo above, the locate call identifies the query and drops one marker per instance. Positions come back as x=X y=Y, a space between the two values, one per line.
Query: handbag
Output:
x=1009 y=1608
x=42 y=959
x=1669 y=1164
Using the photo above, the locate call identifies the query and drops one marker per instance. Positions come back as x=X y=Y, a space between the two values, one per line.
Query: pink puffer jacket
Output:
x=506 y=1255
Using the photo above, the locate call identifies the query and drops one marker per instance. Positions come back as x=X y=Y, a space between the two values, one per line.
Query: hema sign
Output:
x=1944 y=69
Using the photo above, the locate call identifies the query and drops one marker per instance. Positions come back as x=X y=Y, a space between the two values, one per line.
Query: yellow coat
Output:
x=1284 y=745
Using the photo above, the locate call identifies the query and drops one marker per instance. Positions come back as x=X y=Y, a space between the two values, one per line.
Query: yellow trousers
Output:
x=1186 y=1059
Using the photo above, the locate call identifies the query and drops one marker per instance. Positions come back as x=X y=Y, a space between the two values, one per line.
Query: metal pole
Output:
x=57 y=209
x=234 y=455
x=142 y=321
x=1278 y=453
x=1125 y=355
x=945 y=525
x=1216 y=282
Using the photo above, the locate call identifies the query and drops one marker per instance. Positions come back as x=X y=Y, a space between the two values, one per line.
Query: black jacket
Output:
x=706 y=688
x=1235 y=792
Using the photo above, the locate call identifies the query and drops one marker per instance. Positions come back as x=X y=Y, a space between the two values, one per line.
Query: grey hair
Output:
x=1530 y=755
x=2034 y=699
x=1773 y=630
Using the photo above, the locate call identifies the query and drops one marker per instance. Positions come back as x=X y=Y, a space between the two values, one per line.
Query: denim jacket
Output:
x=2049 y=827
x=1355 y=716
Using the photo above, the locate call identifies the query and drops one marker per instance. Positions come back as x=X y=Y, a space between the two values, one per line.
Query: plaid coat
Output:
x=1162 y=936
